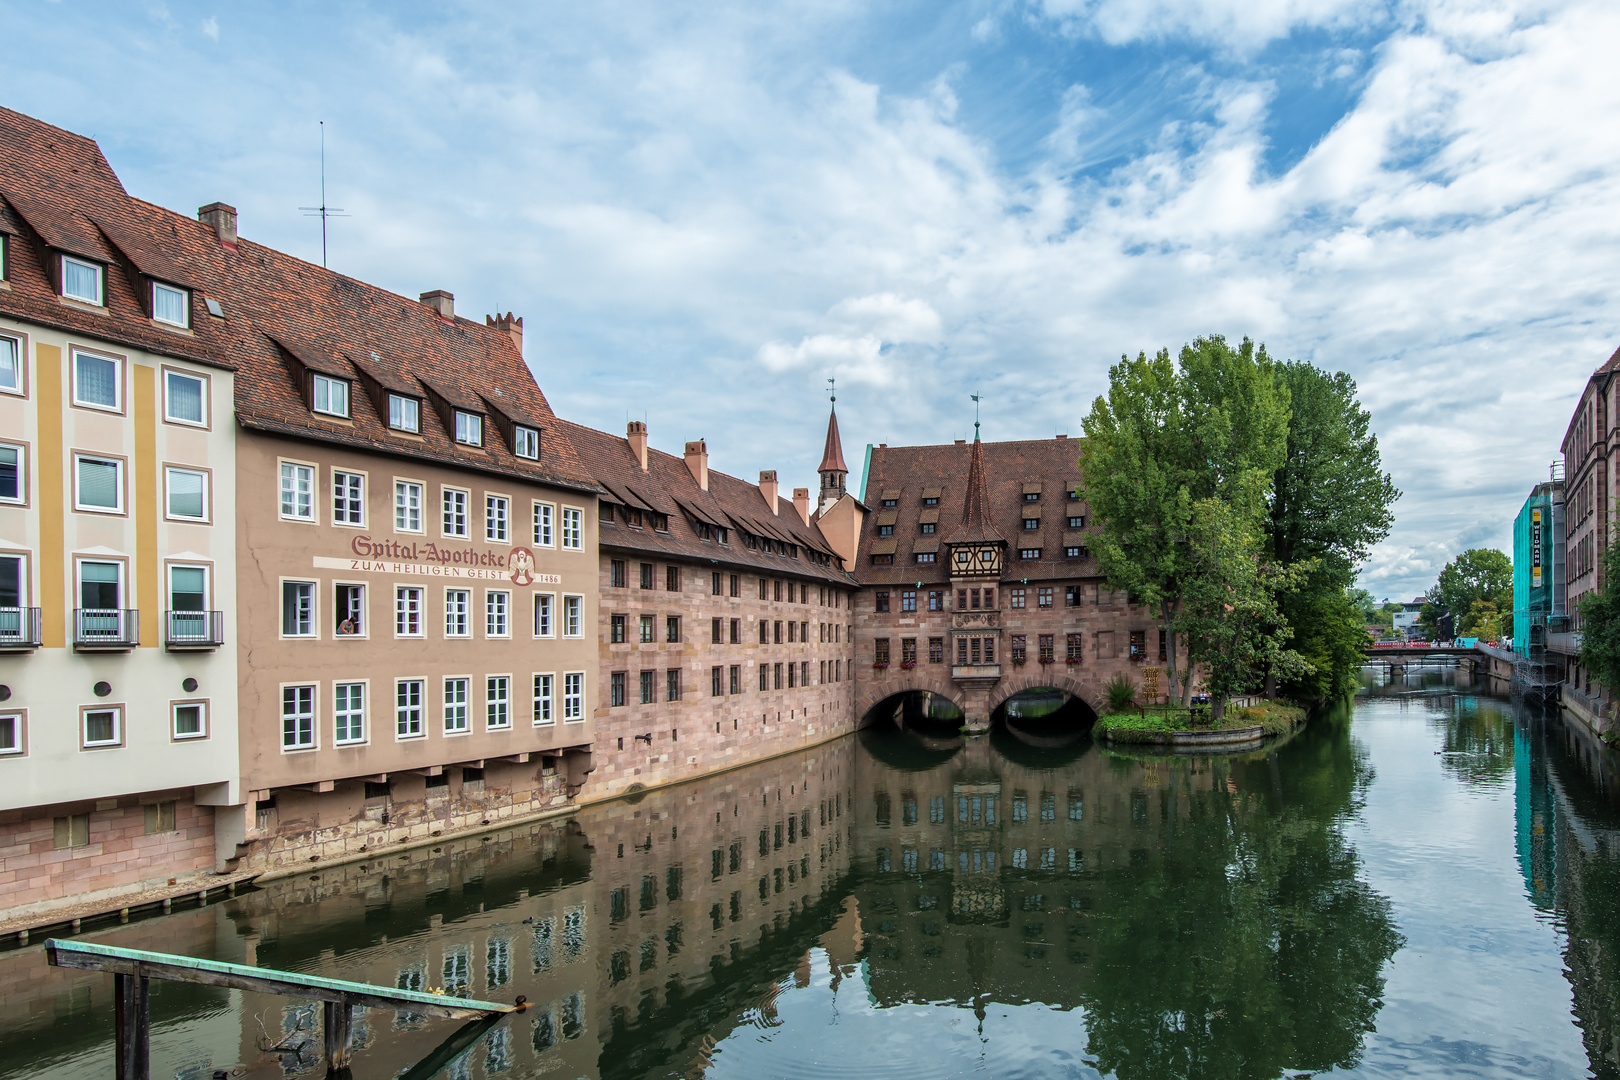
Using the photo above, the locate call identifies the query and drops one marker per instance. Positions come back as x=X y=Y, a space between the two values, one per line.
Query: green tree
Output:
x=1330 y=501
x=1138 y=471
x=1600 y=624
x=1211 y=425
x=1229 y=613
x=1363 y=601
x=1481 y=620
x=1476 y=574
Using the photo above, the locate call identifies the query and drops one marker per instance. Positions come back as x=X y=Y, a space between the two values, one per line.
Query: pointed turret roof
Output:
x=977 y=525
x=832 y=458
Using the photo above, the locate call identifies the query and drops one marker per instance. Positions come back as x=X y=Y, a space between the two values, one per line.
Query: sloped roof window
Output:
x=526 y=442
x=82 y=280
x=404 y=413
x=171 y=305
x=329 y=395
x=469 y=428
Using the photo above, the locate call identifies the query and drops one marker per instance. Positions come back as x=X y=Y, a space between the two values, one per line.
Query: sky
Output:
x=703 y=212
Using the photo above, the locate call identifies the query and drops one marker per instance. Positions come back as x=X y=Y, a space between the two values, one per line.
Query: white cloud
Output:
x=210 y=28
x=1241 y=24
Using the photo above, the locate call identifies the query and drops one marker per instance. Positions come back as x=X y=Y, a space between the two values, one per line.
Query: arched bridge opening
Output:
x=920 y=711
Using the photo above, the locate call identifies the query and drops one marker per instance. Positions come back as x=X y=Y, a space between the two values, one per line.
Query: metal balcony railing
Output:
x=193 y=629
x=19 y=628
x=106 y=628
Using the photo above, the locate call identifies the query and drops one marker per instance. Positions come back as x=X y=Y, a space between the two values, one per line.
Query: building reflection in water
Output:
x=1204 y=916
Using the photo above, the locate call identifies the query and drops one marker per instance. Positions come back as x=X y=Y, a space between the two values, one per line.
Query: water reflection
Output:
x=897 y=904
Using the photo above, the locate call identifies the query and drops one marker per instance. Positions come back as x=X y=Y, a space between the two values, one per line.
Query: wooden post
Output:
x=338 y=1019
x=131 y=1023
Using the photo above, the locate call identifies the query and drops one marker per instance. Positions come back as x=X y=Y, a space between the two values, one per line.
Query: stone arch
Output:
x=1088 y=691
x=883 y=684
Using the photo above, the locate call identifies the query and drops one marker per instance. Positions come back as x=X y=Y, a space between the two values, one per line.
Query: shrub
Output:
x=1121 y=694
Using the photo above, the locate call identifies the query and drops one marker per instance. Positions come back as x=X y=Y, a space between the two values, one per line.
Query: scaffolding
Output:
x=1540 y=606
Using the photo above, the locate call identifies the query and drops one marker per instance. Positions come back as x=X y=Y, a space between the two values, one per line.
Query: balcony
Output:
x=19 y=628
x=975 y=672
x=184 y=630
x=106 y=629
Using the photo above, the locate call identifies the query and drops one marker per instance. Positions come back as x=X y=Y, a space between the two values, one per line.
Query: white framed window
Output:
x=98 y=484
x=574 y=697
x=10 y=365
x=407 y=506
x=573 y=607
x=13 y=734
x=298 y=717
x=469 y=428
x=348 y=498
x=13 y=473
x=82 y=280
x=543 y=626
x=544 y=700
x=526 y=442
x=455 y=513
x=497 y=613
x=408 y=709
x=188 y=719
x=457 y=603
x=185 y=494
x=349 y=609
x=329 y=395
x=496 y=518
x=572 y=528
x=101 y=585
x=185 y=399
x=497 y=702
x=407 y=611
x=98 y=381
x=348 y=713
x=101 y=726
x=404 y=413
x=297 y=609
x=455 y=706
x=171 y=305
x=543 y=517
x=297 y=491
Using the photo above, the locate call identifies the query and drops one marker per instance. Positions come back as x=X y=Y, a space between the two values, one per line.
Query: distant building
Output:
x=1591 y=456
x=1405 y=621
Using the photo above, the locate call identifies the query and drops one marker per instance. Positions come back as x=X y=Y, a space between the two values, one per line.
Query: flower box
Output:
x=907 y=665
x=880 y=664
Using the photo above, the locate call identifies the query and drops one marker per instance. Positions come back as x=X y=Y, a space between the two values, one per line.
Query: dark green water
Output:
x=1426 y=884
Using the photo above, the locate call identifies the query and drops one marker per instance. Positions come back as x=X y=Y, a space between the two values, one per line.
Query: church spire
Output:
x=977 y=523
x=832 y=469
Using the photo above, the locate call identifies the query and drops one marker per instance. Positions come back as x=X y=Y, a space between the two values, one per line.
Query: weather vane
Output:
x=975 y=417
x=832 y=392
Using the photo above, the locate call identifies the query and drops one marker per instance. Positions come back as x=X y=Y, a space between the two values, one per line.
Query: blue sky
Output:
x=704 y=212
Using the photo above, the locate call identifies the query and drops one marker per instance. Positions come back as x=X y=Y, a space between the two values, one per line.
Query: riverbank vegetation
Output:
x=1236 y=495
x=1149 y=724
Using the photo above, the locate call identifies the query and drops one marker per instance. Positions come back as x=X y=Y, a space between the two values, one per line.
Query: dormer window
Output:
x=404 y=414
x=931 y=501
x=82 y=280
x=469 y=428
x=890 y=503
x=171 y=306
x=526 y=443
x=330 y=396
x=1032 y=496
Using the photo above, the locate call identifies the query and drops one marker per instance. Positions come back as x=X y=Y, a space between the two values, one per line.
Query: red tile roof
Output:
x=668 y=487
x=832 y=456
x=908 y=474
x=281 y=315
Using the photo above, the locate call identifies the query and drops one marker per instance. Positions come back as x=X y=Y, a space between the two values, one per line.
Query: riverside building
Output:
x=726 y=617
x=979 y=582
x=119 y=765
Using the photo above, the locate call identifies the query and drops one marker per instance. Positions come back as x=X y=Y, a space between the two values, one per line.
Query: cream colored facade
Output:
x=117 y=551
x=416 y=662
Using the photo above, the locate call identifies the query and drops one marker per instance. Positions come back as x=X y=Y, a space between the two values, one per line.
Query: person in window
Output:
x=346 y=628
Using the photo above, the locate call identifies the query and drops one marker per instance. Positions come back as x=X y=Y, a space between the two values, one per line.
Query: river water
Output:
x=1423 y=884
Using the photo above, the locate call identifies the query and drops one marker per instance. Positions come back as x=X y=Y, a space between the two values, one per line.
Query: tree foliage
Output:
x=1211 y=488
x=1600 y=624
x=1477 y=574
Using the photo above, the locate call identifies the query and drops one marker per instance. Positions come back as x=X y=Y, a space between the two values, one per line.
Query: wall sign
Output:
x=430 y=560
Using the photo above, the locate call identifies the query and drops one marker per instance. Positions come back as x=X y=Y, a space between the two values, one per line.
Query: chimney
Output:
x=636 y=434
x=513 y=327
x=697 y=460
x=222 y=219
x=767 y=488
x=442 y=302
x=801 y=503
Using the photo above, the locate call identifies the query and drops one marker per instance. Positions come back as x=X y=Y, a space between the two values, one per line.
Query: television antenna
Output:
x=323 y=211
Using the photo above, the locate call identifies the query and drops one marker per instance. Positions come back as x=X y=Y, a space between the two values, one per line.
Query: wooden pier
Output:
x=133 y=970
